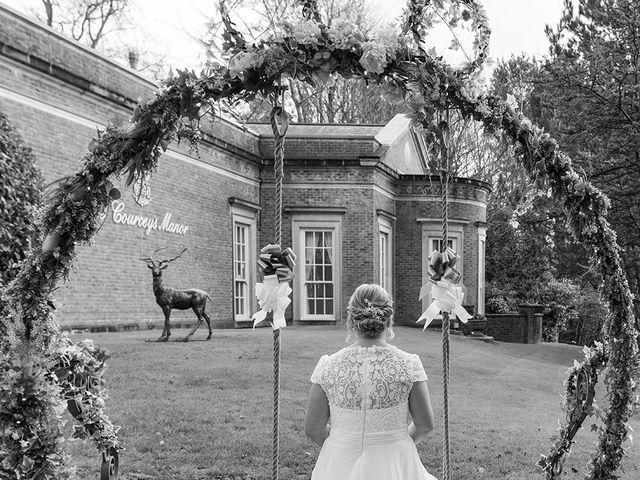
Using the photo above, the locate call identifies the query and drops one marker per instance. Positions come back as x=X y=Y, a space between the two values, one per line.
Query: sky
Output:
x=170 y=28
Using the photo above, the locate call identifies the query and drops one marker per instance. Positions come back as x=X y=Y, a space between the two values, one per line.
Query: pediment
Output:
x=405 y=151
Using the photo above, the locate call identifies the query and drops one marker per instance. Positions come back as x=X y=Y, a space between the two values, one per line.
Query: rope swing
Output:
x=444 y=279
x=444 y=183
x=277 y=267
x=279 y=133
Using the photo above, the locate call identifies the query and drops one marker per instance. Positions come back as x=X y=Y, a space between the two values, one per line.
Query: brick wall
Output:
x=417 y=200
x=321 y=188
x=57 y=93
x=524 y=326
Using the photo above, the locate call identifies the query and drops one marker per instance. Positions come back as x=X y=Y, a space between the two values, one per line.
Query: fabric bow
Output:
x=273 y=293
x=446 y=293
x=441 y=266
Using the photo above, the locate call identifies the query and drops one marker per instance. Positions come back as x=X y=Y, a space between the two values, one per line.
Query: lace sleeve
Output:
x=316 y=376
x=417 y=370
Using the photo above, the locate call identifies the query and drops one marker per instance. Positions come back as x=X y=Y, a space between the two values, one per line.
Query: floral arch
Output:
x=305 y=52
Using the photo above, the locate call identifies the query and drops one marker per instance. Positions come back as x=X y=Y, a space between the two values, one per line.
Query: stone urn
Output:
x=477 y=323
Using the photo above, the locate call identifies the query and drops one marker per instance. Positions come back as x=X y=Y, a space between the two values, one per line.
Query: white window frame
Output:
x=482 y=254
x=385 y=256
x=248 y=218
x=432 y=230
x=301 y=223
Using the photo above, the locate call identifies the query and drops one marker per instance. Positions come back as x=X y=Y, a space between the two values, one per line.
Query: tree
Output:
x=94 y=23
x=87 y=21
x=332 y=100
x=531 y=256
x=587 y=94
x=20 y=195
x=590 y=86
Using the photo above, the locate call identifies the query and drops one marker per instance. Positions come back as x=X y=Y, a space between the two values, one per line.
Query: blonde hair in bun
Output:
x=370 y=311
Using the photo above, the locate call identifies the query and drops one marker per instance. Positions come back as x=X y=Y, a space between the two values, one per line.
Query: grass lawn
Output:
x=203 y=410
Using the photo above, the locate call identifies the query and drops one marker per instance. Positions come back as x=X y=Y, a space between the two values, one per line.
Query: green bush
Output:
x=20 y=195
x=500 y=298
x=572 y=314
x=586 y=327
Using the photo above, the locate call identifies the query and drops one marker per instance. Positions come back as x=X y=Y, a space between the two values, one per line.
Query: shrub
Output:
x=499 y=298
x=585 y=328
x=572 y=314
x=20 y=195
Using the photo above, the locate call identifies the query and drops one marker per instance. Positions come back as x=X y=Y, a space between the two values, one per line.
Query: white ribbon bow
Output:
x=447 y=297
x=273 y=296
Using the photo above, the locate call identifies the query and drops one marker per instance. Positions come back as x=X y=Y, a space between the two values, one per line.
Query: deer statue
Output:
x=169 y=298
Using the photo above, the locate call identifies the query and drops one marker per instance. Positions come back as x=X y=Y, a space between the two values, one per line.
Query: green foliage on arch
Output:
x=310 y=51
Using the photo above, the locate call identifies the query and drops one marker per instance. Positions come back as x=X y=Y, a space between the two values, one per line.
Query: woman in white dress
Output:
x=369 y=402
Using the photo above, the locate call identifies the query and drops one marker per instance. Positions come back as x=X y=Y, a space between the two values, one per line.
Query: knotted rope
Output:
x=279 y=132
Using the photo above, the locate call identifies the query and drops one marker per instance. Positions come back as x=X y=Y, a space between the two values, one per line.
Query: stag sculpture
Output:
x=169 y=298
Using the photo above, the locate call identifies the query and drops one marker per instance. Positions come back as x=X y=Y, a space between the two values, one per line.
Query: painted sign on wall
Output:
x=119 y=216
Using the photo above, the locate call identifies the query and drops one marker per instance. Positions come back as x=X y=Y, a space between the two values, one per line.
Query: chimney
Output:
x=134 y=58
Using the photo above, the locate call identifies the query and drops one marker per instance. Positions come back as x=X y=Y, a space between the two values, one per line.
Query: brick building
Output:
x=358 y=206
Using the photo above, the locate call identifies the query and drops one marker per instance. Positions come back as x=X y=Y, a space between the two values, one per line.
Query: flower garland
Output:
x=308 y=51
x=578 y=403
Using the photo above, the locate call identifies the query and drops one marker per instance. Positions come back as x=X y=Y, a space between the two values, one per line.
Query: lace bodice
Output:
x=368 y=387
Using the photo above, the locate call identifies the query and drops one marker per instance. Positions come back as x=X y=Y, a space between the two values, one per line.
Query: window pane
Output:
x=382 y=260
x=328 y=273
x=328 y=239
x=240 y=298
x=320 y=307
x=329 y=306
x=329 y=253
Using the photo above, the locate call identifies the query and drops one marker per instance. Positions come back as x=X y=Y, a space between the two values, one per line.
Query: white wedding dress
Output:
x=368 y=391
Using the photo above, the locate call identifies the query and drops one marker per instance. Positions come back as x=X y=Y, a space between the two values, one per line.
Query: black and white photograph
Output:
x=319 y=239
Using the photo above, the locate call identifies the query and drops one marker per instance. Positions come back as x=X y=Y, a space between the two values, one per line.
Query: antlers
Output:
x=161 y=263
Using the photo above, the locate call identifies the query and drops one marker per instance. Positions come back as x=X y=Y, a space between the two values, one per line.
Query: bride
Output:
x=375 y=396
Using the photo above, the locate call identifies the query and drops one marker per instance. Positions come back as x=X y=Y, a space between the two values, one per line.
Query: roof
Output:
x=324 y=130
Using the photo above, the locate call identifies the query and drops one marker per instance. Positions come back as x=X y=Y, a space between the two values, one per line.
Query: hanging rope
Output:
x=446 y=293
x=444 y=185
x=444 y=182
x=279 y=132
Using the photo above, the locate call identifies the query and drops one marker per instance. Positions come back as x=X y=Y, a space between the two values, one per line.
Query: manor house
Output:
x=358 y=204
